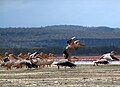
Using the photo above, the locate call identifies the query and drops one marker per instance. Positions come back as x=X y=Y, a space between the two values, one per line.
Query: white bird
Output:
x=101 y=61
x=71 y=44
x=33 y=55
x=109 y=56
x=73 y=37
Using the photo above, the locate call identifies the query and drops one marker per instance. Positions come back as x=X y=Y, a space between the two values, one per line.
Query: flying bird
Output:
x=71 y=44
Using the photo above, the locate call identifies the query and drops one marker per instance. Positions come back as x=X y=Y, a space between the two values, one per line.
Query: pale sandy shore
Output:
x=81 y=76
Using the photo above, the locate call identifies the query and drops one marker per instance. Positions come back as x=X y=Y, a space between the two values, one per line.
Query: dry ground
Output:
x=81 y=76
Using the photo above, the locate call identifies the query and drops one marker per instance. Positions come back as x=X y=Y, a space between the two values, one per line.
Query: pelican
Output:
x=33 y=55
x=109 y=56
x=101 y=61
x=71 y=44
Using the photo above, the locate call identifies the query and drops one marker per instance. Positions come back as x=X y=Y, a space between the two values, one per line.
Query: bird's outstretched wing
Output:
x=114 y=58
x=71 y=41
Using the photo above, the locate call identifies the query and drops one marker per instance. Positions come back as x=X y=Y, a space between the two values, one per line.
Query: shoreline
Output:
x=84 y=58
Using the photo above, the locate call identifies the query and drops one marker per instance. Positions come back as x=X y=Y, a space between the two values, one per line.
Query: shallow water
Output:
x=91 y=62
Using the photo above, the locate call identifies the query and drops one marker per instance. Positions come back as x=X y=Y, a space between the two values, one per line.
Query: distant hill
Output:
x=57 y=35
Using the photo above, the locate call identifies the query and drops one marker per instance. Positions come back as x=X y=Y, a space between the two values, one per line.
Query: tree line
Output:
x=83 y=51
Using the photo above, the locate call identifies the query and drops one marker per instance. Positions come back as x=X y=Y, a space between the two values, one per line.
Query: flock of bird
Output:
x=36 y=60
x=75 y=44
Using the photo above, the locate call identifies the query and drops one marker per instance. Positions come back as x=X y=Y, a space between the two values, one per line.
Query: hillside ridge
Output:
x=57 y=35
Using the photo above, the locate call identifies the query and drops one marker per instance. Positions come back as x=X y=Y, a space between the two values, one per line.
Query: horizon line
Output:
x=54 y=25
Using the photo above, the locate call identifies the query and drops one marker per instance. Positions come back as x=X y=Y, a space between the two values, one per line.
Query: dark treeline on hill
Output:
x=58 y=51
x=53 y=39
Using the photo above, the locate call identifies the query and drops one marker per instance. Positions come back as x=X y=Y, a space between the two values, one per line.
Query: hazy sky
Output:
x=36 y=13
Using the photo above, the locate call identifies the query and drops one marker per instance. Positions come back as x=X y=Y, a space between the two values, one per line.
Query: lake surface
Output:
x=91 y=62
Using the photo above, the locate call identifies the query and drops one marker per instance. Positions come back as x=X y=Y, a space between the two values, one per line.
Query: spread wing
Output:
x=71 y=41
x=113 y=57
